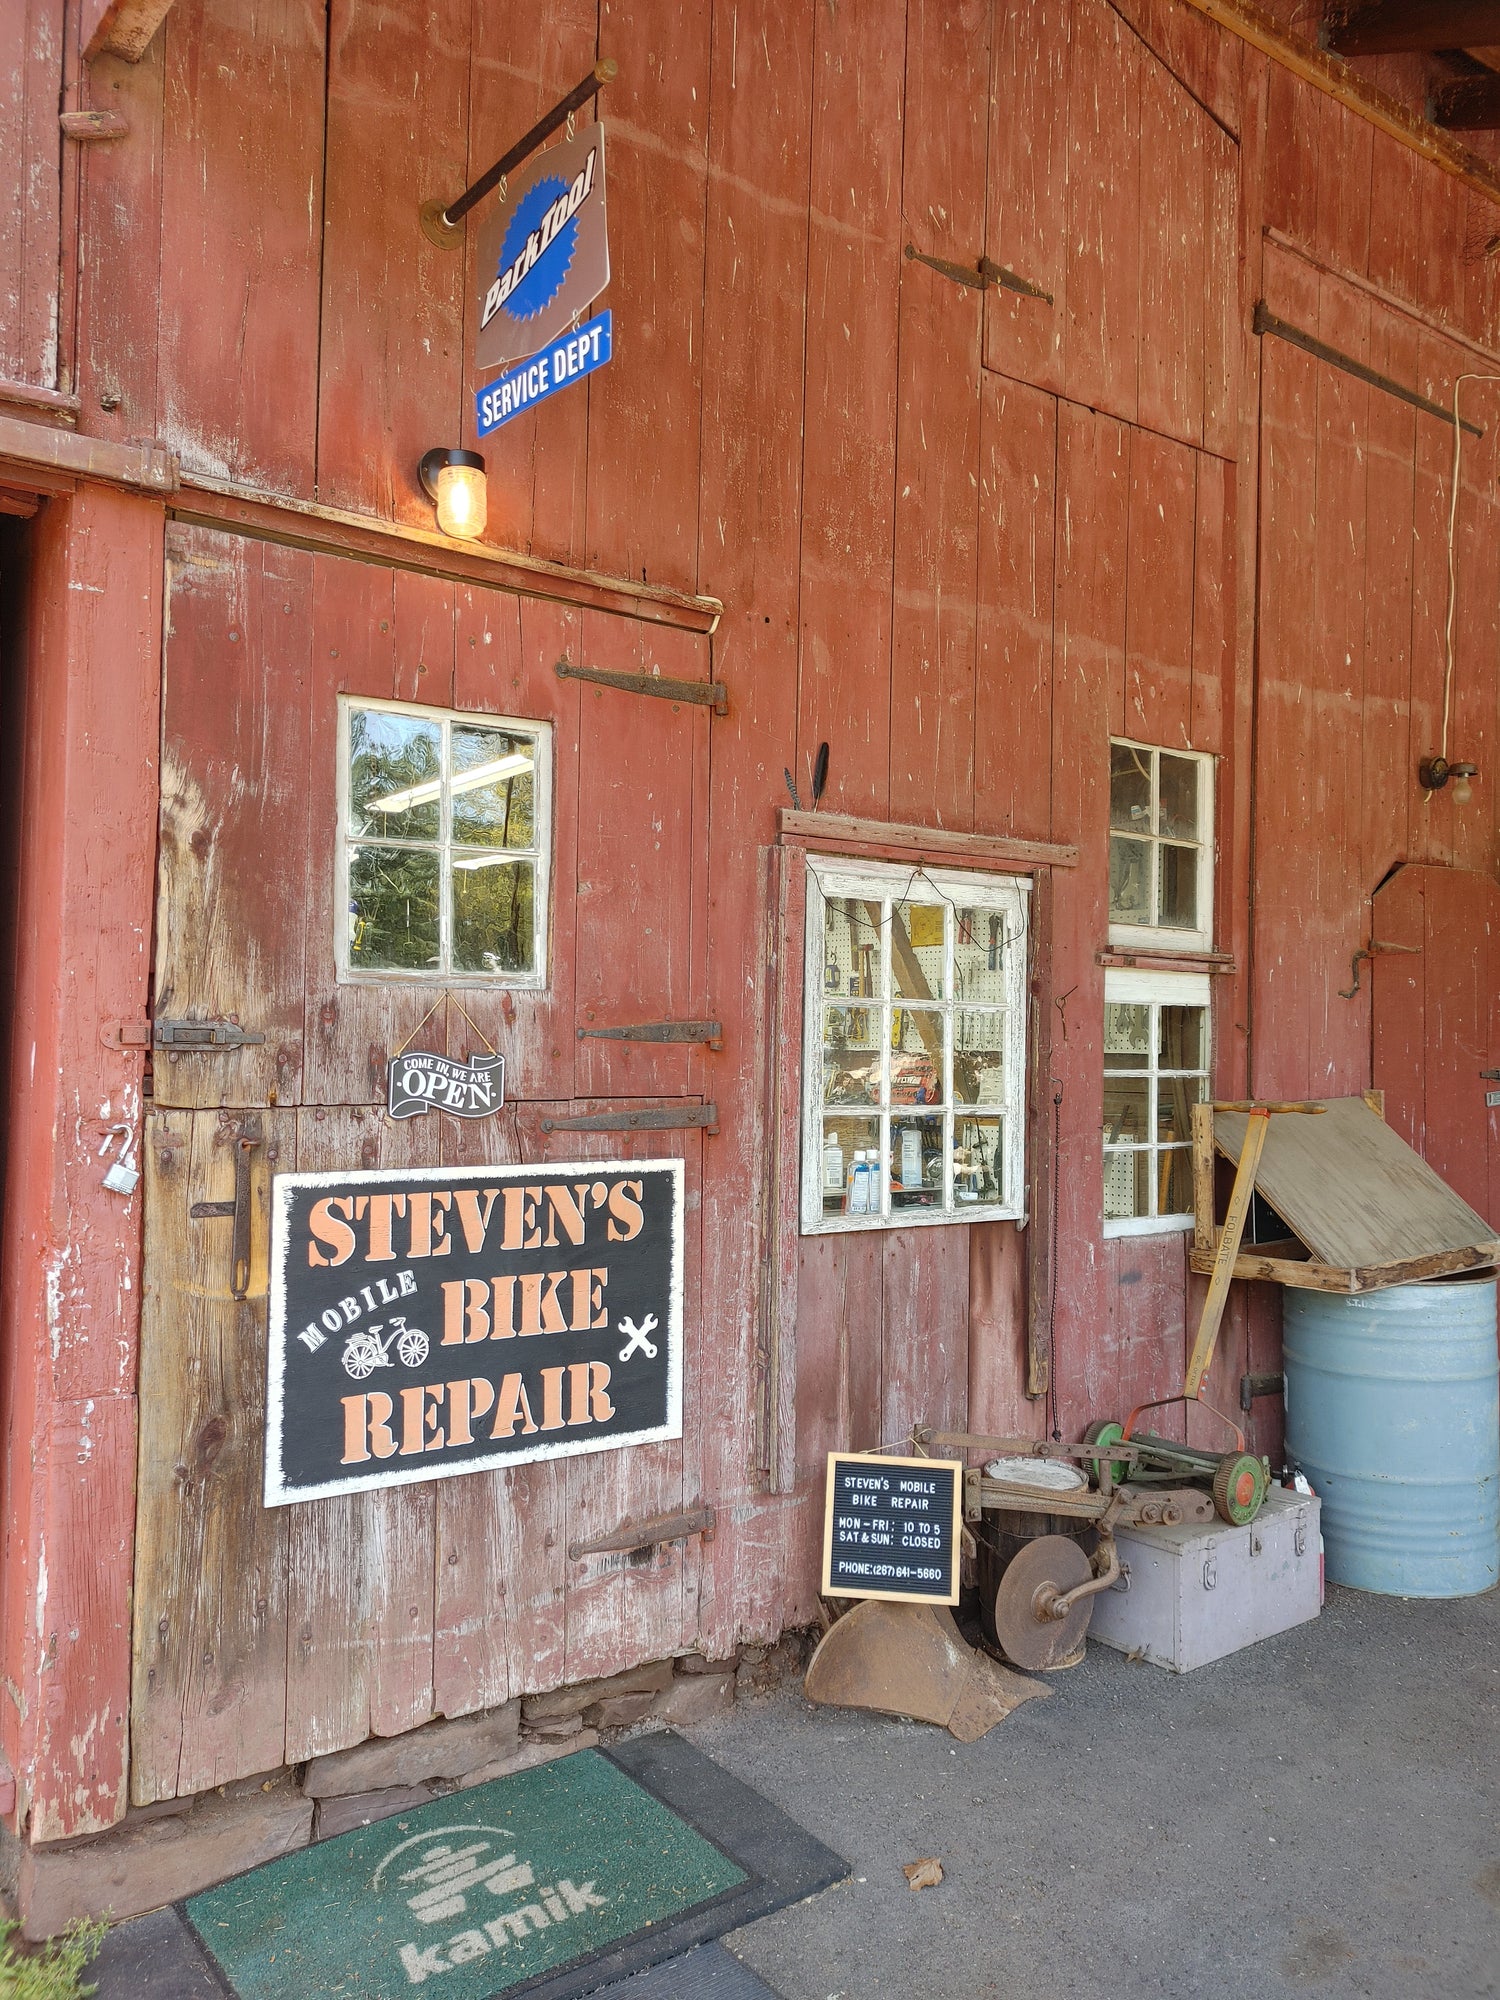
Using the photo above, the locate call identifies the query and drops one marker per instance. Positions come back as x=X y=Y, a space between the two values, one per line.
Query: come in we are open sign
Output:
x=431 y=1321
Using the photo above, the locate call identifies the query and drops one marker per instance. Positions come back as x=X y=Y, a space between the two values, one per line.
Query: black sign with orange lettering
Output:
x=439 y=1320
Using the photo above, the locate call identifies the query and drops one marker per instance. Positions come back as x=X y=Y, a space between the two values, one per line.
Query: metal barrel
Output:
x=1393 y=1413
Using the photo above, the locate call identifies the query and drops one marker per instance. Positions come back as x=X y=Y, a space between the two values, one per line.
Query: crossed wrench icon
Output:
x=638 y=1337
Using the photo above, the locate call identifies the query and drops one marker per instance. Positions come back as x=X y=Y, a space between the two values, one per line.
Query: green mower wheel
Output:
x=1239 y=1487
x=1106 y=1433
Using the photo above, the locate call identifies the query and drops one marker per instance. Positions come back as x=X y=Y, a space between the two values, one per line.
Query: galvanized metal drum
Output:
x=1393 y=1413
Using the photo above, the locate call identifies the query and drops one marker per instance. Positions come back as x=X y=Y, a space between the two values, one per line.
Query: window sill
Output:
x=1149 y=1225
x=915 y=1218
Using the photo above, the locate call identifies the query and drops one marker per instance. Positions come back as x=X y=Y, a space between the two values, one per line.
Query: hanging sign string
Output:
x=472 y=1023
x=489 y=1045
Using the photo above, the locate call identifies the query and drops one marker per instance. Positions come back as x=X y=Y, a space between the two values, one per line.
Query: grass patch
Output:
x=55 y=1972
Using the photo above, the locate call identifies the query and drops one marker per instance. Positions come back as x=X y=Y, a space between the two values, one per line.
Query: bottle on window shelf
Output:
x=833 y=1165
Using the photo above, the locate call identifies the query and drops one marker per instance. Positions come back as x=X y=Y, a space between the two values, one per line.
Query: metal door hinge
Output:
x=683 y=1117
x=701 y=694
x=660 y=1031
x=251 y=1134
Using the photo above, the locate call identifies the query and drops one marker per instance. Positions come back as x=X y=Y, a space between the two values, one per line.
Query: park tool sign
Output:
x=892 y=1528
x=436 y=1320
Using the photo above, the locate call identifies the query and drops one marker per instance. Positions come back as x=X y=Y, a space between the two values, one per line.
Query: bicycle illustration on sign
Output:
x=365 y=1351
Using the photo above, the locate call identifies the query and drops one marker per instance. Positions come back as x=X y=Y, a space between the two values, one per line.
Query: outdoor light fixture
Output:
x=1434 y=773
x=455 y=481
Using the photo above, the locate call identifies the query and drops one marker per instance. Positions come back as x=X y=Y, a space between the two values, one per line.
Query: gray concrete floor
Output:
x=1317 y=1818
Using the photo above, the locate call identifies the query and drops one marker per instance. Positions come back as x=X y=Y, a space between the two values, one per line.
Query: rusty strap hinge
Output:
x=704 y=694
x=648 y=1534
x=711 y=1032
x=178 y=1036
x=673 y=1118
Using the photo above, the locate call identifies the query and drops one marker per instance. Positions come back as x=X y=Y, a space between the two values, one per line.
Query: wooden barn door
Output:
x=1436 y=1011
x=267 y=1636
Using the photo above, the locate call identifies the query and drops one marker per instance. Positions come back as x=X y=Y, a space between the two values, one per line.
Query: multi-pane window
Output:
x=1156 y=1065
x=1160 y=847
x=443 y=845
x=914 y=1077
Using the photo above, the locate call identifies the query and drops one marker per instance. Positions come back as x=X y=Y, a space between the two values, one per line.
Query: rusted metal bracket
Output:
x=676 y=1118
x=1369 y=951
x=1252 y=1386
x=711 y=1032
x=1267 y=322
x=440 y=219
x=648 y=1534
x=703 y=694
x=979 y=277
x=251 y=1135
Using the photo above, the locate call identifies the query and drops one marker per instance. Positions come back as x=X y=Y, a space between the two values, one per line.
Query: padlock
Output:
x=123 y=1175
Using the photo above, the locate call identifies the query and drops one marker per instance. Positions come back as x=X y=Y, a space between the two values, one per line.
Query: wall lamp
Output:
x=455 y=482
x=1434 y=773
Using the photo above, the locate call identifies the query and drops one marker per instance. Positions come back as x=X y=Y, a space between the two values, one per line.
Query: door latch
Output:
x=204 y=1035
x=250 y=1136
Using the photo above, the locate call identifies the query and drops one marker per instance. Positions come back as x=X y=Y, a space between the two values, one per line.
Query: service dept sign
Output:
x=543 y=251
x=440 y=1320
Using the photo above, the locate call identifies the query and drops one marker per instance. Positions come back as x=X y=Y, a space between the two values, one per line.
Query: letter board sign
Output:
x=543 y=250
x=430 y=1321
x=892 y=1528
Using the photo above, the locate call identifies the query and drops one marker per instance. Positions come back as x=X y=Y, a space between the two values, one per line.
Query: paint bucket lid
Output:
x=1048 y=1475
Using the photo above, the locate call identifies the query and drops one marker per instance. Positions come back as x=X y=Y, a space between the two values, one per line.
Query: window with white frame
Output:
x=915 y=1046
x=442 y=855
x=1156 y=1067
x=1160 y=848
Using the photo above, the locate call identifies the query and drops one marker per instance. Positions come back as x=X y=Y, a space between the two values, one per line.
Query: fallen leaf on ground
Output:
x=923 y=1874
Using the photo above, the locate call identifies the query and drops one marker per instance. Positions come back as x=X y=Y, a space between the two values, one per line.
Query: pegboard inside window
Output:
x=1161 y=820
x=1157 y=1059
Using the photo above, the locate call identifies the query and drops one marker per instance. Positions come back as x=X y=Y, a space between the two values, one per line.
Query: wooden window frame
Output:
x=540 y=855
x=898 y=880
x=1162 y=937
x=1146 y=986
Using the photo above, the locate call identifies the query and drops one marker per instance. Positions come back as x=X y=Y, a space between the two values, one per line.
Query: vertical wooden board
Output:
x=1026 y=226
x=538 y=463
x=119 y=225
x=1459 y=907
x=30 y=191
x=1430 y=819
x=1399 y=1004
x=1199 y=54
x=1014 y=664
x=1173 y=249
x=937 y=445
x=1472 y=730
x=1214 y=535
x=1440 y=265
x=361 y=1567
x=620 y=1610
x=1345 y=158
x=209 y=1699
x=507 y=651
x=1146 y=1329
x=1093 y=507
x=1293 y=135
x=645 y=414
x=855 y=240
x=997 y=1397
x=390 y=636
x=642 y=875
x=1388 y=758
x=242 y=171
x=924 y=1349
x=391 y=363
x=1224 y=271
x=1395 y=247
x=840 y=1322
x=502 y=1564
x=230 y=942
x=1104 y=177
x=1158 y=681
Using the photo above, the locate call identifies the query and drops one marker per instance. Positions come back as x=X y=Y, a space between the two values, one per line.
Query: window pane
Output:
x=1126 y=1110
x=1177 y=794
x=1129 y=789
x=493 y=915
x=395 y=766
x=393 y=909
x=978 y=1161
x=917 y=951
x=1127 y=1185
x=1174 y=1101
x=1126 y=1036
x=917 y=1162
x=1179 y=887
x=979 y=946
x=492 y=788
x=1174 y=1182
x=1184 y=1042
x=851 y=1069
x=1129 y=880
x=851 y=947
x=979 y=1059
x=916 y=1055
x=851 y=1184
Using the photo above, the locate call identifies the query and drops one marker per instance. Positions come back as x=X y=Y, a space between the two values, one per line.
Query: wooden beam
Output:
x=150 y=467
x=838 y=833
x=121 y=27
x=1401 y=27
x=1468 y=104
x=1336 y=80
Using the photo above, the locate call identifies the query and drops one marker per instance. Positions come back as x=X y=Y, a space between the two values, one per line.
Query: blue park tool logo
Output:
x=537 y=252
x=543 y=252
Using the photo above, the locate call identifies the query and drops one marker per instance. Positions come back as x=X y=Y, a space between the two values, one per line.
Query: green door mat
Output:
x=469 y=1897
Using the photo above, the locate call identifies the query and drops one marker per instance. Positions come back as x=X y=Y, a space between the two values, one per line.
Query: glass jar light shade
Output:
x=456 y=483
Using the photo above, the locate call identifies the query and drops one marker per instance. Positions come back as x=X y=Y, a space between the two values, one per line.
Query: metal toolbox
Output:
x=1194 y=1593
